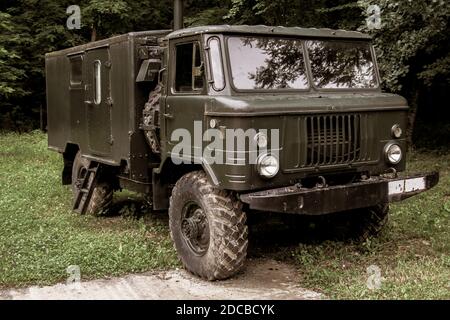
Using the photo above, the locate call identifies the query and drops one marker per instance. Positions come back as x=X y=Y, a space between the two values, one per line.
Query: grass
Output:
x=40 y=236
x=412 y=253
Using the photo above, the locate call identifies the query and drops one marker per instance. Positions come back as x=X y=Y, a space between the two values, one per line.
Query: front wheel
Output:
x=208 y=227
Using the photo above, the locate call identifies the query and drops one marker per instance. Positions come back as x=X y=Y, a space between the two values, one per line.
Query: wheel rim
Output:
x=195 y=228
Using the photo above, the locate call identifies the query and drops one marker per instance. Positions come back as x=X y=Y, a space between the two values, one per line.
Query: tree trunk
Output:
x=412 y=114
x=93 y=33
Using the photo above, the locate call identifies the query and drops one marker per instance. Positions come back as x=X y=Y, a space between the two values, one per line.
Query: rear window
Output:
x=336 y=64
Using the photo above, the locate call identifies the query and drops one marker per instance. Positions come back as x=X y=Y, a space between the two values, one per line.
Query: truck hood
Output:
x=255 y=105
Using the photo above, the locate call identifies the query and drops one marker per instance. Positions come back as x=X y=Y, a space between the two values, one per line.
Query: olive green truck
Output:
x=318 y=134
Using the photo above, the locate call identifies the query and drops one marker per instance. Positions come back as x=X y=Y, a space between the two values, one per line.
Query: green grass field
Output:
x=40 y=236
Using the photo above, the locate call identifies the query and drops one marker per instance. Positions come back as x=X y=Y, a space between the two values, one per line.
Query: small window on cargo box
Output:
x=97 y=82
x=76 y=64
x=189 y=75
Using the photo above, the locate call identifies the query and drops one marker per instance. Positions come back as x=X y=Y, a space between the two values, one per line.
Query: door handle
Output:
x=168 y=115
x=89 y=103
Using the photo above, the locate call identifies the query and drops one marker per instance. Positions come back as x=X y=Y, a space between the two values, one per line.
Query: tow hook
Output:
x=322 y=183
x=390 y=173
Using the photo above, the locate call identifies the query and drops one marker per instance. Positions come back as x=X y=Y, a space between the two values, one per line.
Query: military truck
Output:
x=116 y=108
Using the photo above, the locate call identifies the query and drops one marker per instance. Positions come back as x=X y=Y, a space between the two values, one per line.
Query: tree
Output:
x=105 y=16
x=287 y=13
x=31 y=28
x=205 y=12
x=10 y=74
x=413 y=47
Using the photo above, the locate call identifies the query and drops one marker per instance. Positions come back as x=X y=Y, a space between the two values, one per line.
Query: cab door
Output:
x=98 y=101
x=186 y=95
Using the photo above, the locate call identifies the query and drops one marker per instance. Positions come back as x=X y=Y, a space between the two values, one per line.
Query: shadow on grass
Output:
x=276 y=235
x=270 y=234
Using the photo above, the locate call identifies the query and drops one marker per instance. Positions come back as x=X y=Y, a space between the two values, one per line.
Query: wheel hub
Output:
x=190 y=228
x=195 y=229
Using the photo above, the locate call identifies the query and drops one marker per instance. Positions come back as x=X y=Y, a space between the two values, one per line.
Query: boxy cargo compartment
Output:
x=95 y=96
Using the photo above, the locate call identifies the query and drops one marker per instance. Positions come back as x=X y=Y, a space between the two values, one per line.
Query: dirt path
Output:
x=262 y=279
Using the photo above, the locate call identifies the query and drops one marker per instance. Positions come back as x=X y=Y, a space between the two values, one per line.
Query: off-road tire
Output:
x=228 y=233
x=153 y=107
x=102 y=193
x=361 y=224
x=372 y=220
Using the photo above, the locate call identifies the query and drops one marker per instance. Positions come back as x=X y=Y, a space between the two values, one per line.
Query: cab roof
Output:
x=268 y=30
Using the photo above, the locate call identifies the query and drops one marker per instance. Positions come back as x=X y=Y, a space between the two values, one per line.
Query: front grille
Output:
x=333 y=139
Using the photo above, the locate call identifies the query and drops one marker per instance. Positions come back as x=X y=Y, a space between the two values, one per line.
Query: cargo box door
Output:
x=98 y=101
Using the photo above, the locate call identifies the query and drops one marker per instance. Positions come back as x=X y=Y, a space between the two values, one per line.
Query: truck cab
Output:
x=319 y=88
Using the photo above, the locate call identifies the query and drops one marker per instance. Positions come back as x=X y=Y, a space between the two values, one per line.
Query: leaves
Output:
x=9 y=73
x=412 y=40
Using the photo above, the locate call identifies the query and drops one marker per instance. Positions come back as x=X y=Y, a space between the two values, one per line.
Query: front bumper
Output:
x=315 y=201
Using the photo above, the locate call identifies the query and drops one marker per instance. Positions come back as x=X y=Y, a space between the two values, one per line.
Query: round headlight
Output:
x=396 y=131
x=393 y=153
x=268 y=166
x=261 y=140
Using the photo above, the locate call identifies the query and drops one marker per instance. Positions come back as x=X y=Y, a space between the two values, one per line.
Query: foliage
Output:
x=9 y=73
x=108 y=15
x=413 y=41
x=206 y=12
x=37 y=27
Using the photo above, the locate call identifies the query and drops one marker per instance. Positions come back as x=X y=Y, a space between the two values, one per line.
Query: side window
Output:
x=76 y=64
x=215 y=58
x=97 y=82
x=189 y=76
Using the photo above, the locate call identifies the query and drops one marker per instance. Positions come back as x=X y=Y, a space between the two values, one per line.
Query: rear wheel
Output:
x=208 y=227
x=102 y=192
x=371 y=221
x=363 y=223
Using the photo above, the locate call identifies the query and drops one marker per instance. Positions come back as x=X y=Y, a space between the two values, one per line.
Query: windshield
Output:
x=267 y=63
x=336 y=64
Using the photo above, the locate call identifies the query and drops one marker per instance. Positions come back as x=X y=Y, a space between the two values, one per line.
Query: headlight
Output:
x=393 y=153
x=396 y=131
x=267 y=166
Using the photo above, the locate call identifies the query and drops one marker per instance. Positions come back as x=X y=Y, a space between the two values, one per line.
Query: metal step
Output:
x=86 y=186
